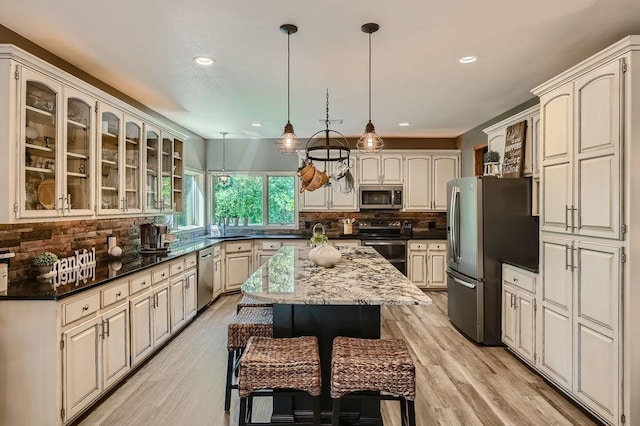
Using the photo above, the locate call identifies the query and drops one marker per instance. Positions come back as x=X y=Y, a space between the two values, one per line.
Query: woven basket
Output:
x=319 y=179
x=307 y=172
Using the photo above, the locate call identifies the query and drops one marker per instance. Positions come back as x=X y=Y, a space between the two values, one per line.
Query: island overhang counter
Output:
x=327 y=302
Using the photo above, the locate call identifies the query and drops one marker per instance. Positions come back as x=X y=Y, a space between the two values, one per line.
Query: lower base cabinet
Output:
x=427 y=263
x=238 y=261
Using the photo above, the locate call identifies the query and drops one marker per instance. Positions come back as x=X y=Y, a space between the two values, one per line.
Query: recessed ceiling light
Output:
x=404 y=124
x=468 y=59
x=256 y=124
x=203 y=60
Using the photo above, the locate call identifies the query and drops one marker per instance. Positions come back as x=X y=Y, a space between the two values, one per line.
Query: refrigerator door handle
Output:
x=453 y=232
x=459 y=281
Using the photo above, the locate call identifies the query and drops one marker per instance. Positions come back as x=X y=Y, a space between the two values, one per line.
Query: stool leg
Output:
x=236 y=364
x=412 y=413
x=227 y=393
x=316 y=411
x=403 y=412
x=242 y=416
x=335 y=412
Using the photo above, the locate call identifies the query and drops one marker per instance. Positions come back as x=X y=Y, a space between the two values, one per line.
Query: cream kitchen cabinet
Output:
x=330 y=197
x=497 y=136
x=426 y=178
x=437 y=264
x=57 y=139
x=238 y=263
x=119 y=152
x=581 y=154
x=519 y=311
x=380 y=169
x=95 y=356
x=580 y=300
x=218 y=274
x=417 y=257
x=59 y=162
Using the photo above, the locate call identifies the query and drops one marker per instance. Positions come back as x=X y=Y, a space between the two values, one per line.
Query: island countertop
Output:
x=361 y=277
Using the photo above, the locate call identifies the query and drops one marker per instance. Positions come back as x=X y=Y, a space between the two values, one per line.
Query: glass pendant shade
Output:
x=288 y=142
x=370 y=141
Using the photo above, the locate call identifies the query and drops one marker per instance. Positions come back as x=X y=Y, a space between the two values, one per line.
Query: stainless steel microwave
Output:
x=381 y=197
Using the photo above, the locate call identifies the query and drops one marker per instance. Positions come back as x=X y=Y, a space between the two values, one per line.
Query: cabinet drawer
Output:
x=175 y=267
x=115 y=293
x=190 y=261
x=75 y=310
x=437 y=245
x=270 y=245
x=519 y=278
x=238 y=247
x=139 y=283
x=217 y=250
x=160 y=274
x=418 y=245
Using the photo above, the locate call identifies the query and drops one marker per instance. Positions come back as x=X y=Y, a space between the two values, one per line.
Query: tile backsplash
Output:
x=63 y=238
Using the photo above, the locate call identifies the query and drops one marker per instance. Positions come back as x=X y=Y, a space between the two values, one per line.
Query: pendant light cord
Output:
x=369 y=77
x=223 y=150
x=288 y=74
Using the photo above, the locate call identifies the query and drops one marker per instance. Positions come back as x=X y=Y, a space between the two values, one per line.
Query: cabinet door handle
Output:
x=515 y=280
x=118 y=294
x=85 y=307
x=106 y=330
x=61 y=209
x=573 y=265
x=566 y=256
x=153 y=301
x=573 y=218
x=69 y=203
x=566 y=217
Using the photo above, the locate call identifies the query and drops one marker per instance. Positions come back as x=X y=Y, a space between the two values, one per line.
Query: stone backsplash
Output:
x=63 y=238
x=421 y=221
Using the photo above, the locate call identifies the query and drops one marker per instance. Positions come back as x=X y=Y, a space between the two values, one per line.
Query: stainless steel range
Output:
x=385 y=236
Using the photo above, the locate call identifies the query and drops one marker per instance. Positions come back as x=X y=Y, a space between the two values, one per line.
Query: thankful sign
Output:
x=514 y=150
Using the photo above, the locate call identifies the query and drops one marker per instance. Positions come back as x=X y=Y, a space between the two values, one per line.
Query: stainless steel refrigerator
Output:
x=488 y=219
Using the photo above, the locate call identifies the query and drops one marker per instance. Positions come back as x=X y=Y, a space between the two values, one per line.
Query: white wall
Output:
x=248 y=154
x=195 y=153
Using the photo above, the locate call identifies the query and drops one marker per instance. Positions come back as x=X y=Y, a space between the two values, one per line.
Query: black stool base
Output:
x=246 y=405
x=407 y=408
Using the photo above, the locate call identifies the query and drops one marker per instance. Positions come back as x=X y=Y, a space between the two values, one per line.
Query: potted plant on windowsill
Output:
x=44 y=261
x=491 y=163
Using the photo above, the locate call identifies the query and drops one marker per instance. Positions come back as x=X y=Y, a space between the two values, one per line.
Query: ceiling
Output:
x=145 y=48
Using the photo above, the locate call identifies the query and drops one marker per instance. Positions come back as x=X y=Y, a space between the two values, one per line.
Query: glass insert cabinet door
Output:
x=152 y=170
x=40 y=102
x=110 y=141
x=167 y=173
x=77 y=198
x=132 y=199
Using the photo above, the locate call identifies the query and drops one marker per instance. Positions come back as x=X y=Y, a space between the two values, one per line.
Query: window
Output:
x=256 y=200
x=192 y=215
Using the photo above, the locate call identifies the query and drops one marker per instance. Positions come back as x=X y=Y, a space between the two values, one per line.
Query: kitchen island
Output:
x=327 y=302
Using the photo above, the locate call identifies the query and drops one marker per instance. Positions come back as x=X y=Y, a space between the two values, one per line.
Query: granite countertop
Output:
x=528 y=264
x=361 y=277
x=108 y=269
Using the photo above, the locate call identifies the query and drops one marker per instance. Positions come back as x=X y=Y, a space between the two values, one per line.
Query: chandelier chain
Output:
x=288 y=73
x=369 y=77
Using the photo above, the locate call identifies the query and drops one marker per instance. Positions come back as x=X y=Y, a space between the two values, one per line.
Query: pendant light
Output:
x=370 y=141
x=288 y=142
x=223 y=177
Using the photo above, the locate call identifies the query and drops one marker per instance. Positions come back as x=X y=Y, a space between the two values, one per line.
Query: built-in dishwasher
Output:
x=205 y=277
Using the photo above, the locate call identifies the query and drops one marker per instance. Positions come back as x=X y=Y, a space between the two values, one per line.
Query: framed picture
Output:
x=514 y=150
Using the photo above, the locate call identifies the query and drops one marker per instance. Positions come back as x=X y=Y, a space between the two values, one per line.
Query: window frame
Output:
x=265 y=199
x=200 y=203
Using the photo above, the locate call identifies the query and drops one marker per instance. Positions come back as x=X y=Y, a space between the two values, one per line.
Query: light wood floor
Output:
x=458 y=382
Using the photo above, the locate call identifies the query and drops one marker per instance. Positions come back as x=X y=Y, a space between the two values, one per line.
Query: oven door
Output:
x=395 y=251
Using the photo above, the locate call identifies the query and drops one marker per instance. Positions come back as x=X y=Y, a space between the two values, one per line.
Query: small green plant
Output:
x=319 y=238
x=45 y=259
x=491 y=157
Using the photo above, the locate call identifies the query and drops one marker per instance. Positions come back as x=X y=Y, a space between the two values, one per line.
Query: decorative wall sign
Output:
x=75 y=269
x=514 y=150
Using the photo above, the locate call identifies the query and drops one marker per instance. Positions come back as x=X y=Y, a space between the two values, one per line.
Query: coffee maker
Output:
x=152 y=238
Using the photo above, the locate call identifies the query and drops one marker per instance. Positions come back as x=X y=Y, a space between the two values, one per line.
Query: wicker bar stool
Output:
x=248 y=301
x=291 y=365
x=247 y=322
x=363 y=367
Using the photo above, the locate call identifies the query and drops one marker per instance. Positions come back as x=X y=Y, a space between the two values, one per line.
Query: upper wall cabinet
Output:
x=426 y=178
x=380 y=169
x=497 y=135
x=581 y=158
x=79 y=151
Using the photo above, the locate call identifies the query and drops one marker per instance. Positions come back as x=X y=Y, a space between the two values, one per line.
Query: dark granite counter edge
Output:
x=31 y=289
x=530 y=265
